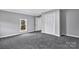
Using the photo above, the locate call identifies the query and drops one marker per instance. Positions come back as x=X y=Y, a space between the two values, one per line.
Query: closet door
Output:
x=49 y=23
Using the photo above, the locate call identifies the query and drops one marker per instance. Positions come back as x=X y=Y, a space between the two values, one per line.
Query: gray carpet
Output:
x=39 y=41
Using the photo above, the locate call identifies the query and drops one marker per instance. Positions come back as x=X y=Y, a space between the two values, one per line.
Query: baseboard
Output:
x=72 y=35
x=53 y=34
x=35 y=31
x=11 y=35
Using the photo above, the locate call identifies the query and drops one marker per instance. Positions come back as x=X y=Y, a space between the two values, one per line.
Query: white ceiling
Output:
x=33 y=12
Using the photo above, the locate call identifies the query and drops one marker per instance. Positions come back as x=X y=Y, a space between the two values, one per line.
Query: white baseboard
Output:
x=10 y=35
x=57 y=35
x=72 y=35
x=53 y=34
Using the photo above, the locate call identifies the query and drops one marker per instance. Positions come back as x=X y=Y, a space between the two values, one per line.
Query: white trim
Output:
x=57 y=35
x=72 y=35
x=10 y=35
x=52 y=34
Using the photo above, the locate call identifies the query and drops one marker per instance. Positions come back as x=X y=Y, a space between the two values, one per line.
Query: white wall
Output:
x=10 y=23
x=72 y=22
x=50 y=22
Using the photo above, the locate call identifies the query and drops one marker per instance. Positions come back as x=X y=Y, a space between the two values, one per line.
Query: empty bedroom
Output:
x=39 y=28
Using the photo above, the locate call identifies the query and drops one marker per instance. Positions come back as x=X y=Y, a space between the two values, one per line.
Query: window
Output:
x=23 y=25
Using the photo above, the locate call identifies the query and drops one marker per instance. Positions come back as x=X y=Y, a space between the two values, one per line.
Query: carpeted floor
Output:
x=39 y=41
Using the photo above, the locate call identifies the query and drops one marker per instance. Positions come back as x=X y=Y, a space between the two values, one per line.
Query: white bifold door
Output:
x=48 y=23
